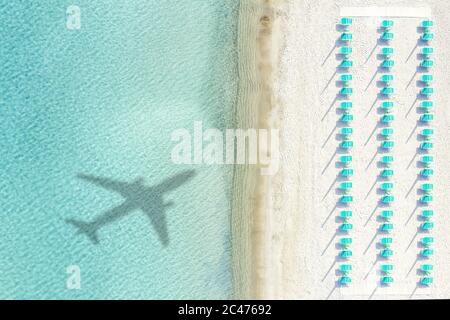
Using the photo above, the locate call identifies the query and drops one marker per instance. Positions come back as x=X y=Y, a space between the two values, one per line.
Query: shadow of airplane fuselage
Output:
x=137 y=197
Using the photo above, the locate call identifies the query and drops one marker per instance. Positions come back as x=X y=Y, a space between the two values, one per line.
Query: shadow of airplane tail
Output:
x=86 y=228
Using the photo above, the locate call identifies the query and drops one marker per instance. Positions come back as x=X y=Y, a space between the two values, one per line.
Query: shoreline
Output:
x=258 y=34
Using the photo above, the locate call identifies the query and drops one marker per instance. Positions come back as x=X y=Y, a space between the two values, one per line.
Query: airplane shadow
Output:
x=138 y=197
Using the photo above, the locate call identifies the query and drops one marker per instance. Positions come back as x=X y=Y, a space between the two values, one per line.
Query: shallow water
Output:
x=83 y=109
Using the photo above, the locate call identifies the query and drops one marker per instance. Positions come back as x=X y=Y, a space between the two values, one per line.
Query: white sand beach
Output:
x=285 y=237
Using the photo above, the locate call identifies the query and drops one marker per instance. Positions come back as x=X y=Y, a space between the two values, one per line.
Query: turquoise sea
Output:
x=86 y=117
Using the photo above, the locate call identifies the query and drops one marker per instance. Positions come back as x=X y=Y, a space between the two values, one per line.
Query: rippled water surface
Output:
x=86 y=178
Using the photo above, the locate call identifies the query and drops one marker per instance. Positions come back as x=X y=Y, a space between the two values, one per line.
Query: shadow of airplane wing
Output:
x=175 y=181
x=159 y=223
x=155 y=208
x=114 y=185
